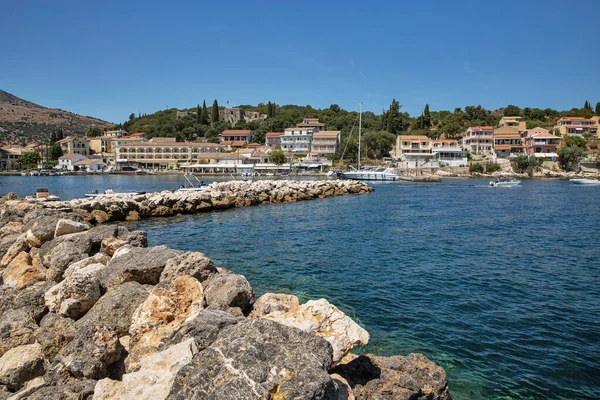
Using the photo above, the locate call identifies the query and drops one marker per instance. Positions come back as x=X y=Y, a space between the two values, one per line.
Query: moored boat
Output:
x=192 y=183
x=110 y=192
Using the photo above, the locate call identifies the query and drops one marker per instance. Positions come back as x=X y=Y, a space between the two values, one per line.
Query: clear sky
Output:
x=110 y=58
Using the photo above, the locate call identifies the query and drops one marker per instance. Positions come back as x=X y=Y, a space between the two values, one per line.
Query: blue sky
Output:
x=110 y=58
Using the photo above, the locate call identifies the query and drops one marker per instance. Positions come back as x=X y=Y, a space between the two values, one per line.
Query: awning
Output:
x=578 y=129
x=545 y=155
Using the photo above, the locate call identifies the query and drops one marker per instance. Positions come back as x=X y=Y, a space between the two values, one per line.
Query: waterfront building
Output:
x=479 y=139
x=67 y=162
x=312 y=123
x=90 y=165
x=539 y=142
x=448 y=153
x=273 y=139
x=577 y=126
x=235 y=138
x=508 y=142
x=160 y=153
x=413 y=148
x=297 y=139
x=75 y=145
x=325 y=143
x=514 y=122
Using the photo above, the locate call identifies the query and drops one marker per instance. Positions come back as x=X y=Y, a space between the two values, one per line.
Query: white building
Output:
x=448 y=153
x=67 y=162
x=479 y=139
x=91 y=165
x=297 y=139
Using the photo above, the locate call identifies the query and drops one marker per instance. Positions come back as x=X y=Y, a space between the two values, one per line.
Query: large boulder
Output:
x=18 y=245
x=410 y=377
x=161 y=314
x=154 y=378
x=138 y=265
x=66 y=226
x=12 y=228
x=116 y=307
x=204 y=327
x=17 y=328
x=321 y=318
x=273 y=304
x=54 y=333
x=191 y=263
x=30 y=299
x=91 y=353
x=23 y=271
x=20 y=365
x=258 y=359
x=74 y=296
x=44 y=226
x=98 y=258
x=228 y=290
x=63 y=251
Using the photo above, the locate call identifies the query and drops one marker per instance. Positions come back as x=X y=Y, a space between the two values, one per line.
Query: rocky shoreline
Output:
x=87 y=310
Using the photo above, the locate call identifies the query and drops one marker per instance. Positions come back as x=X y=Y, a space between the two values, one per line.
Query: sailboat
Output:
x=371 y=174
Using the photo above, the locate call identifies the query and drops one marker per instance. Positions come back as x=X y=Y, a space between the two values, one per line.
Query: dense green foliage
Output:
x=524 y=164
x=28 y=160
x=575 y=141
x=55 y=152
x=94 y=131
x=277 y=156
x=492 y=167
x=512 y=111
x=571 y=152
x=476 y=167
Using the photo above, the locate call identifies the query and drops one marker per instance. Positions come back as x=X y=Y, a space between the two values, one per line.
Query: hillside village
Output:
x=312 y=147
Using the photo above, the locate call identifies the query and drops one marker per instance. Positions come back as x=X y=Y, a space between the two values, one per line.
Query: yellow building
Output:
x=577 y=126
x=514 y=122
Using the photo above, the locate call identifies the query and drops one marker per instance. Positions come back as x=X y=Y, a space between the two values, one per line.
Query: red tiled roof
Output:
x=238 y=143
x=233 y=132
x=227 y=142
x=273 y=134
x=137 y=134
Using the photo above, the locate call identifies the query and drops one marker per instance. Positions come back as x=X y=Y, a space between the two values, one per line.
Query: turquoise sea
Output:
x=501 y=287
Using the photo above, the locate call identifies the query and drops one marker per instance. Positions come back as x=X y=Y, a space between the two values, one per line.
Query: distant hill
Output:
x=22 y=121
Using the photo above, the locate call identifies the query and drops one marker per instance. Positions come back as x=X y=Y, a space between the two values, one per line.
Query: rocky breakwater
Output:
x=217 y=196
x=90 y=312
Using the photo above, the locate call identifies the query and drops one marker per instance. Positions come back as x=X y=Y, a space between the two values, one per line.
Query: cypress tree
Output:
x=52 y=138
x=426 y=116
x=204 y=119
x=215 y=112
x=597 y=112
x=198 y=115
x=587 y=106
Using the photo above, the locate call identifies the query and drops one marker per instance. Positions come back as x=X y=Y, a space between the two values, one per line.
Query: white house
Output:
x=67 y=162
x=91 y=165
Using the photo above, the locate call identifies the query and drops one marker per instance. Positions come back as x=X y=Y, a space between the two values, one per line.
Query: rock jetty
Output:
x=88 y=311
x=217 y=196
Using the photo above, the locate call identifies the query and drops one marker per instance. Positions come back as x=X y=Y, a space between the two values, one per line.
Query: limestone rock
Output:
x=20 y=365
x=161 y=314
x=12 y=228
x=99 y=216
x=44 y=226
x=229 y=290
x=111 y=244
x=19 y=245
x=273 y=303
x=91 y=353
x=29 y=388
x=138 y=265
x=326 y=320
x=258 y=359
x=136 y=238
x=21 y=272
x=55 y=332
x=98 y=258
x=74 y=296
x=115 y=308
x=410 y=377
x=29 y=299
x=204 y=327
x=191 y=263
x=17 y=328
x=66 y=226
x=63 y=251
x=154 y=378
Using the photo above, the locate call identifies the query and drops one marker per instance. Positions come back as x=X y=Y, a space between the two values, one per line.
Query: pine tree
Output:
x=597 y=112
x=215 y=112
x=426 y=116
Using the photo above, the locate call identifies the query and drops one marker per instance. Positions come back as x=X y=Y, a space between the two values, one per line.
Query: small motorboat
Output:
x=140 y=172
x=505 y=183
x=585 y=181
x=192 y=183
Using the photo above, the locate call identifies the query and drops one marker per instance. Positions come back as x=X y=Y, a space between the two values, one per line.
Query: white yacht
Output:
x=585 y=181
x=375 y=174
x=510 y=183
x=192 y=183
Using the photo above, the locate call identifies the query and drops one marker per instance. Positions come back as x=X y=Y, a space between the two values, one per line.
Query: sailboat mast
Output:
x=359 y=128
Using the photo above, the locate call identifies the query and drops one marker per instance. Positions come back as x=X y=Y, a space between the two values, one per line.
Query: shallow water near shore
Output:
x=501 y=287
